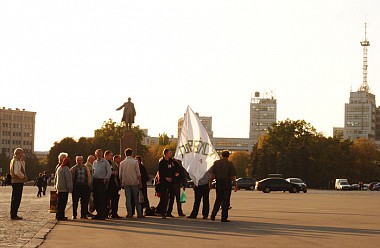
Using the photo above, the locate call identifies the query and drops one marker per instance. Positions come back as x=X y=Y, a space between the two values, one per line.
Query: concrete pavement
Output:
x=315 y=219
x=36 y=223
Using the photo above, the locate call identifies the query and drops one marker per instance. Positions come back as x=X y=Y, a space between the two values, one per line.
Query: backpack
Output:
x=150 y=211
x=8 y=179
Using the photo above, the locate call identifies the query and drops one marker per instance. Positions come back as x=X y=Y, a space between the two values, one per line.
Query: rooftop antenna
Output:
x=365 y=44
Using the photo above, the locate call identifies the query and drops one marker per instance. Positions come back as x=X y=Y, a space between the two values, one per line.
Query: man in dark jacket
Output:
x=224 y=172
x=179 y=181
x=144 y=181
x=166 y=174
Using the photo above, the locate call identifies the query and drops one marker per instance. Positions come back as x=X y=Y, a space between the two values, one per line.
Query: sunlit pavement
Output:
x=315 y=219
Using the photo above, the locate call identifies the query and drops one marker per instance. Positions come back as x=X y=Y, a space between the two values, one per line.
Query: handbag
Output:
x=182 y=199
x=141 y=197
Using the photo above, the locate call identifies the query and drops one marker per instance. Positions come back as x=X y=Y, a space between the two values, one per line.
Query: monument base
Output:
x=128 y=141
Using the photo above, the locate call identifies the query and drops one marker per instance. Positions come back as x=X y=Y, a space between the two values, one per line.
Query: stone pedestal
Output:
x=128 y=141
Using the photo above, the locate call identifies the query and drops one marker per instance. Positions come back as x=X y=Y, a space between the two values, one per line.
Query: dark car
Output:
x=299 y=182
x=247 y=183
x=376 y=187
x=370 y=186
x=277 y=184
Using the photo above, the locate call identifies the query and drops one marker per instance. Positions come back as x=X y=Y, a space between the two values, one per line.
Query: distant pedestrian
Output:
x=101 y=175
x=45 y=182
x=224 y=172
x=130 y=178
x=201 y=192
x=39 y=182
x=81 y=187
x=17 y=171
x=63 y=184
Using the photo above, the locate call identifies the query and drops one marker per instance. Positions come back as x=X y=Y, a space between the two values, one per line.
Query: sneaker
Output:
x=140 y=216
x=74 y=217
x=116 y=216
x=128 y=216
x=170 y=215
x=225 y=221
x=212 y=217
x=204 y=217
x=182 y=215
x=163 y=216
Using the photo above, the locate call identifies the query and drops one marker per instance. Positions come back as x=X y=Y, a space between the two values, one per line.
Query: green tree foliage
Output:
x=295 y=149
x=163 y=139
x=242 y=163
x=365 y=155
x=33 y=167
x=107 y=138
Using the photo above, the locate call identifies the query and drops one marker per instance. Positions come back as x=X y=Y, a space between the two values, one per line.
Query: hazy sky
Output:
x=75 y=62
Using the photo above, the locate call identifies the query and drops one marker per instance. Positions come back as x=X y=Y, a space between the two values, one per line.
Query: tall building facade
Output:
x=263 y=113
x=17 y=129
x=360 y=116
x=360 y=112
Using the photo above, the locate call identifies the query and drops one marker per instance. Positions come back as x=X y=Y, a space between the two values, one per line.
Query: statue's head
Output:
x=129 y=99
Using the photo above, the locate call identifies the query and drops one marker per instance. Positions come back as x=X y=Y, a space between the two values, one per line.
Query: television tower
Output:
x=365 y=44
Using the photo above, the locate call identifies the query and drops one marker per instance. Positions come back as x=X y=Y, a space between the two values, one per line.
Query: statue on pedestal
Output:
x=129 y=113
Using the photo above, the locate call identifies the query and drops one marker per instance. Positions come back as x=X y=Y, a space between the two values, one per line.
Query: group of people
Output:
x=102 y=177
x=170 y=175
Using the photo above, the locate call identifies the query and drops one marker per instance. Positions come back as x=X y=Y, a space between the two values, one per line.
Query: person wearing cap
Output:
x=224 y=172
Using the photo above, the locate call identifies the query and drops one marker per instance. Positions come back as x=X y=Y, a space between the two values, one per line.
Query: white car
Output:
x=342 y=184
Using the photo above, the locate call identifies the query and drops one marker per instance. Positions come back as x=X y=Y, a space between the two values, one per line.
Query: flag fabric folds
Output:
x=194 y=147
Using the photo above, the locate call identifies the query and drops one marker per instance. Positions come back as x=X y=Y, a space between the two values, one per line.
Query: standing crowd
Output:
x=100 y=179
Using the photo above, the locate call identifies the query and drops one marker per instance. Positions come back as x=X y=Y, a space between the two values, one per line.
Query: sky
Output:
x=74 y=62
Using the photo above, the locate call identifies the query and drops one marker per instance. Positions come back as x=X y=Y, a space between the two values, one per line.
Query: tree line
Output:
x=291 y=148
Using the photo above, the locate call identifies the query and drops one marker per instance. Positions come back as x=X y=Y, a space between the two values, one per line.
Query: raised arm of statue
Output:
x=122 y=106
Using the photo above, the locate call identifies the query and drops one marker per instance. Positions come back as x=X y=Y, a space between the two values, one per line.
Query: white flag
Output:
x=194 y=147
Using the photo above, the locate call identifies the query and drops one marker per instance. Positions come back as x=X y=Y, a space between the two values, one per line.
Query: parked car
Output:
x=342 y=184
x=376 y=187
x=277 y=184
x=247 y=183
x=370 y=186
x=299 y=182
x=355 y=186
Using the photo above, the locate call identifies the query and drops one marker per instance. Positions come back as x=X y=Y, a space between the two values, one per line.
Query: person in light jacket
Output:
x=63 y=185
x=17 y=171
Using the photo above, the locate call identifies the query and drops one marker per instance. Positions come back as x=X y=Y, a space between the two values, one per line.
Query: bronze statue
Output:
x=128 y=114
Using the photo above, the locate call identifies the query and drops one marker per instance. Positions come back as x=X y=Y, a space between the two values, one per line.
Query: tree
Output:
x=163 y=139
x=242 y=162
x=365 y=157
x=107 y=138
